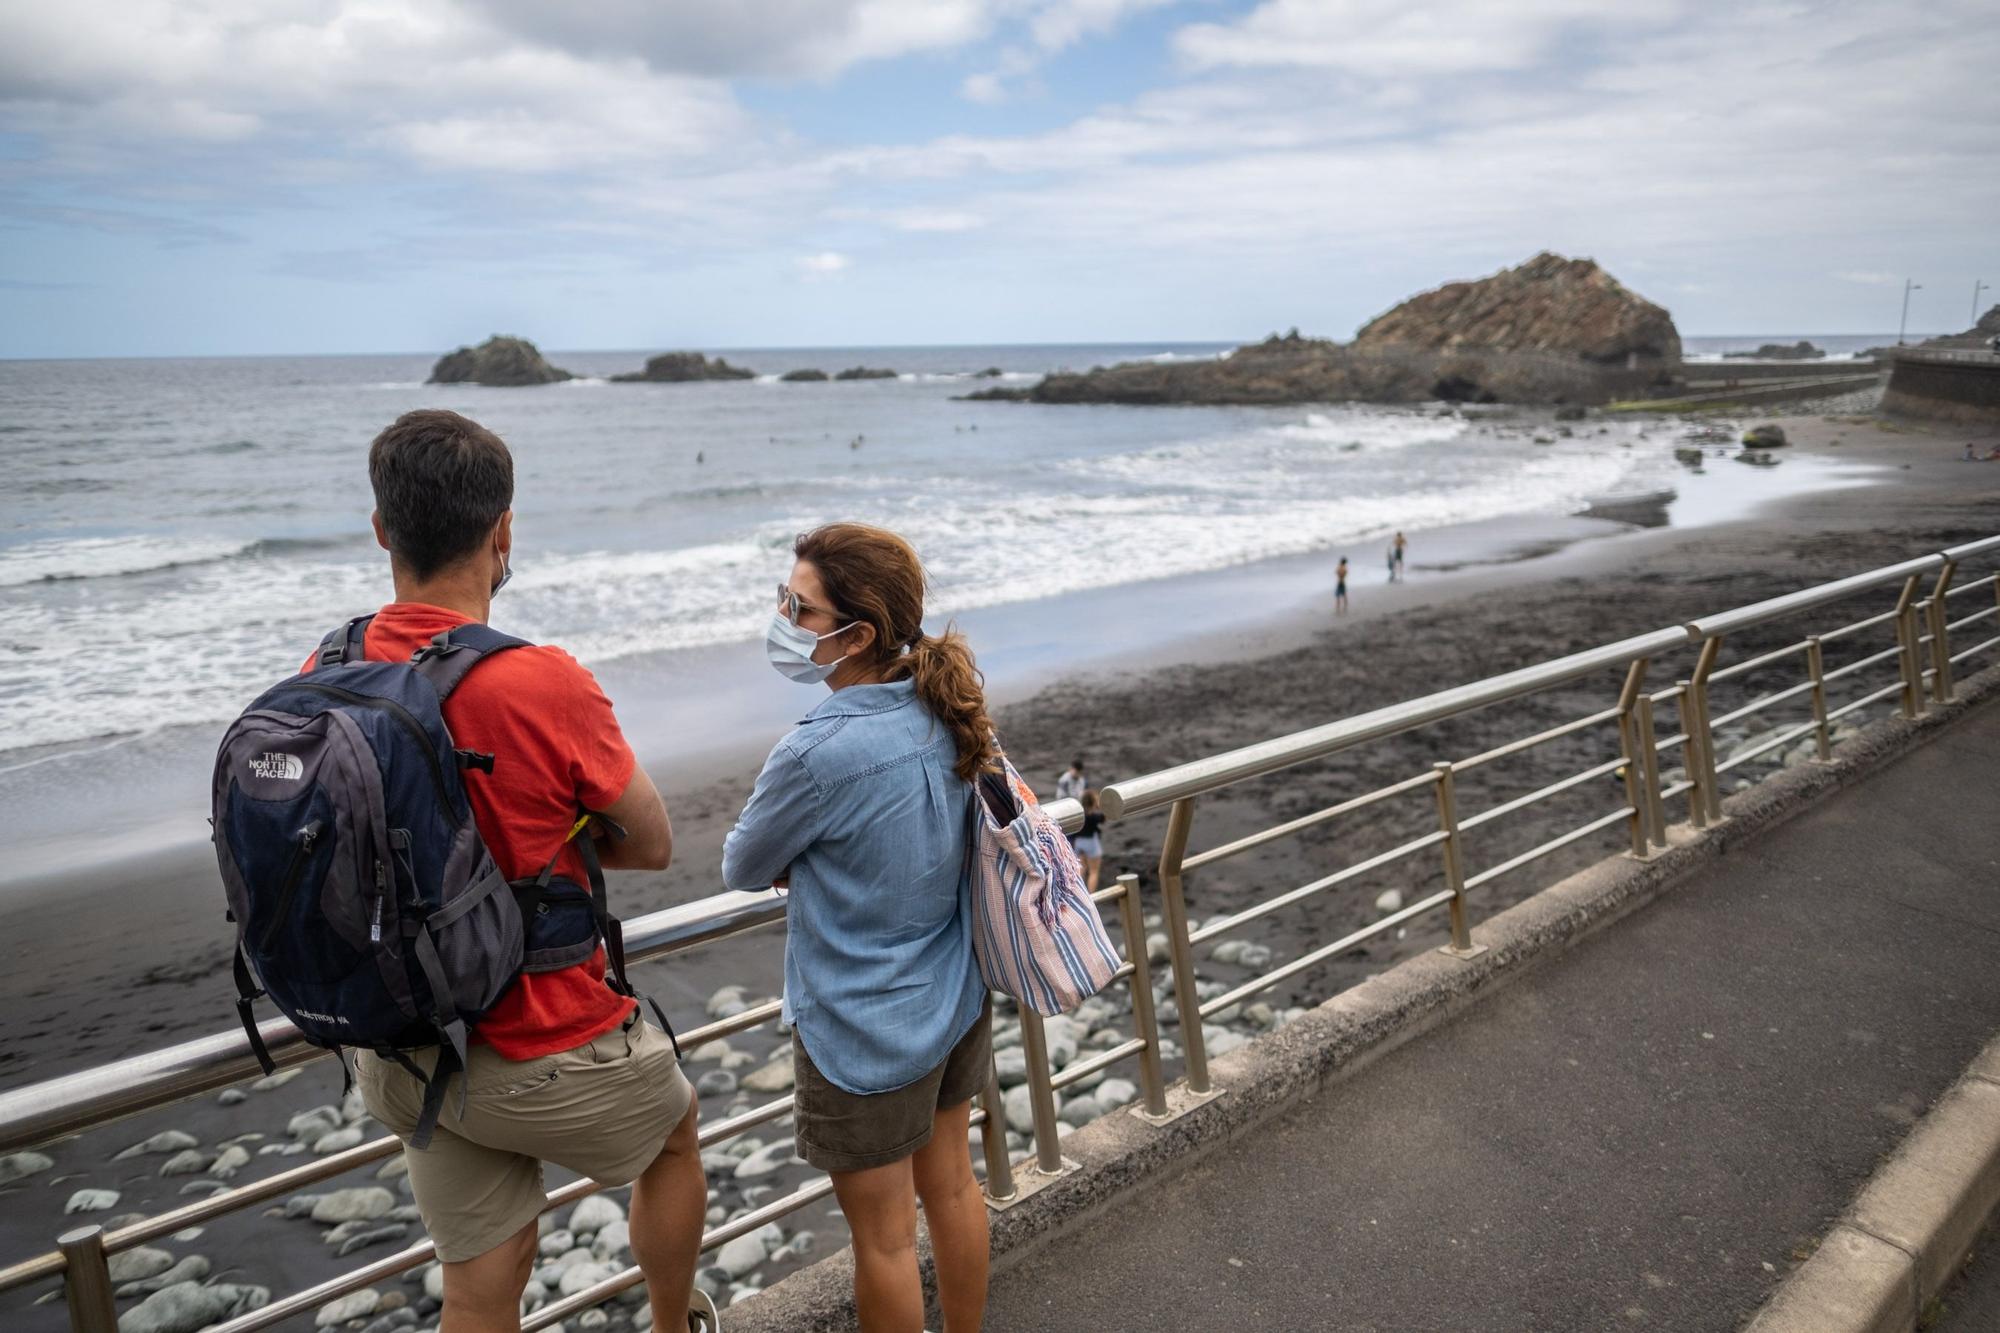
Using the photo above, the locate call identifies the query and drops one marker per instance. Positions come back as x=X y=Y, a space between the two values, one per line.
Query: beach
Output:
x=133 y=955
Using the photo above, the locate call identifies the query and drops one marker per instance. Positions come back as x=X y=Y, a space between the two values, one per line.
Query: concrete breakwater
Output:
x=1961 y=386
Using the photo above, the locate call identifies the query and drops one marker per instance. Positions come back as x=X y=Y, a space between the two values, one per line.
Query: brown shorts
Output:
x=838 y=1130
x=602 y=1109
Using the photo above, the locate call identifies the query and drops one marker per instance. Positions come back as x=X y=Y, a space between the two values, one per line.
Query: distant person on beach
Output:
x=1389 y=557
x=861 y=813
x=1088 y=841
x=1400 y=543
x=1340 y=587
x=562 y=1069
x=1071 y=783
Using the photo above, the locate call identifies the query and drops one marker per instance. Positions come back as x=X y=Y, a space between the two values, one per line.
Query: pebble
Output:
x=354 y=1305
x=340 y=1140
x=186 y=1163
x=388 y=1231
x=764 y=1161
x=1389 y=900
x=1261 y=1015
x=20 y=1165
x=613 y=1239
x=579 y=1277
x=392 y=1322
x=91 y=1201
x=166 y=1141
x=203 y=1187
x=727 y=1002
x=349 y=1205
x=186 y=1234
x=396 y=1166
x=774 y=1077
x=281 y=1150
x=434 y=1281
x=715 y=1083
x=187 y=1306
x=1116 y=1092
x=1221 y=1041
x=1020 y=1109
x=556 y=1242
x=592 y=1319
x=191 y=1269
x=1079 y=1112
x=594 y=1212
x=307 y=1126
x=134 y=1265
x=229 y=1161
x=1011 y=1064
x=277 y=1080
x=736 y=1060
x=707 y=1051
x=1063 y=1036
x=741 y=1256
x=1157 y=949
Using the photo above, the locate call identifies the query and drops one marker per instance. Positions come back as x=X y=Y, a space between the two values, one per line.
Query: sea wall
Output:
x=1945 y=386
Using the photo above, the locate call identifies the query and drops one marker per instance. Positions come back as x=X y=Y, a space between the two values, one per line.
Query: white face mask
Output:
x=790 y=648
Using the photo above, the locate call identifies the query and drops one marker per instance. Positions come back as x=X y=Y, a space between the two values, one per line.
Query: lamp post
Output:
x=1977 y=288
x=1904 y=323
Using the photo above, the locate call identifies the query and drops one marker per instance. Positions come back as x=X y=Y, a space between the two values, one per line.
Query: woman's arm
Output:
x=781 y=819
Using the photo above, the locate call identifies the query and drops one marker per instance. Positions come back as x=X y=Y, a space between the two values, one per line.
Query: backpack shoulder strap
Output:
x=447 y=659
x=344 y=644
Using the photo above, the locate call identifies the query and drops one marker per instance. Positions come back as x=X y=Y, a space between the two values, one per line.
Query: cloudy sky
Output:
x=236 y=176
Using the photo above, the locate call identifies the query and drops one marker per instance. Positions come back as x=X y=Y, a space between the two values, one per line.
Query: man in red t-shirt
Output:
x=563 y=1069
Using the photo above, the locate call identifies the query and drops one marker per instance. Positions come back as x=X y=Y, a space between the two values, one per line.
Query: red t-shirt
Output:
x=555 y=745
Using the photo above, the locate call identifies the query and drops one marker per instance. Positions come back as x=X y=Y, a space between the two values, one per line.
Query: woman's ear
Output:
x=862 y=640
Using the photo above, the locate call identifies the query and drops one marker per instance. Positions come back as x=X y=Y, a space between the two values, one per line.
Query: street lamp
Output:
x=1908 y=287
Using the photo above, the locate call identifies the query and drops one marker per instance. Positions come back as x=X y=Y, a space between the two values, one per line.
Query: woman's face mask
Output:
x=790 y=650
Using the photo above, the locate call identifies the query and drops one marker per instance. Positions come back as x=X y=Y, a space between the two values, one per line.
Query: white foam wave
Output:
x=101 y=557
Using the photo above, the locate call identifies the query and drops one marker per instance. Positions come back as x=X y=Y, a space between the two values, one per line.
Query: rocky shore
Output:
x=500 y=362
x=683 y=368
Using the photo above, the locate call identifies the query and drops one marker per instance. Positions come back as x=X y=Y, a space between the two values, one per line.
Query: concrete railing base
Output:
x=1119 y=1155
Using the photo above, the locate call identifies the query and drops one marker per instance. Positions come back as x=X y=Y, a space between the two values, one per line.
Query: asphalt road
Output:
x=1646 y=1133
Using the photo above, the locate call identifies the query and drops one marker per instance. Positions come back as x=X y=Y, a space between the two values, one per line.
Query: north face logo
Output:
x=283 y=767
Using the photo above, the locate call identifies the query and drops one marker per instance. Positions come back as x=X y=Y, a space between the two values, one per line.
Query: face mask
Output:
x=506 y=573
x=790 y=649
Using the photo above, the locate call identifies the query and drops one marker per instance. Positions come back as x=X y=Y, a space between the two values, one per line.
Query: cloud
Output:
x=986 y=88
x=825 y=264
x=934 y=219
x=1052 y=26
x=1389 y=37
x=1868 y=279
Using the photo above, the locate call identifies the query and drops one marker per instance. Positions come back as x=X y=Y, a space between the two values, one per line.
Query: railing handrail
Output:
x=91 y=1097
x=1154 y=790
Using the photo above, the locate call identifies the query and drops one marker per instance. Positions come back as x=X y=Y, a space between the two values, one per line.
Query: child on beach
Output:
x=1400 y=543
x=562 y=1068
x=1071 y=783
x=1088 y=841
x=861 y=811
x=1340 y=587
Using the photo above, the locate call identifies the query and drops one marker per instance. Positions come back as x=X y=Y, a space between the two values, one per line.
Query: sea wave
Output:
x=74 y=559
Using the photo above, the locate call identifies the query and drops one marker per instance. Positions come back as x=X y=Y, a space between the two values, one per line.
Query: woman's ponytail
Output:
x=952 y=688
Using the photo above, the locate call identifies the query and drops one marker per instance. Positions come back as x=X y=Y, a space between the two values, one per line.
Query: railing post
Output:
x=1461 y=945
x=87 y=1281
x=1816 y=667
x=1906 y=641
x=1636 y=795
x=1649 y=759
x=1151 y=1082
x=1711 y=793
x=1041 y=1097
x=1180 y=820
x=993 y=1140
x=1691 y=752
x=1940 y=636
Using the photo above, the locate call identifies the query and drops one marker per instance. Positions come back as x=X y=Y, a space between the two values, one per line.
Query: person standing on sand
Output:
x=562 y=1069
x=862 y=814
x=1071 y=784
x=1088 y=841
x=1390 y=558
x=1400 y=543
x=1340 y=587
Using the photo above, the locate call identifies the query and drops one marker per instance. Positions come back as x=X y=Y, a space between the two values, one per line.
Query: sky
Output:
x=222 y=177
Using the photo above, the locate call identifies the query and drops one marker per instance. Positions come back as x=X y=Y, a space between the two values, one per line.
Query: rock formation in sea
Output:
x=865 y=373
x=499 y=362
x=1553 y=330
x=682 y=368
x=1798 y=351
x=1976 y=338
x=803 y=376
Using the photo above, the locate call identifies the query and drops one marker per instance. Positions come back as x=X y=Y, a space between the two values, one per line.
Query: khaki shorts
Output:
x=838 y=1130
x=602 y=1110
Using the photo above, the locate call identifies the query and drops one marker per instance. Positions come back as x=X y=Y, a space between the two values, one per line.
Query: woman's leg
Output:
x=1091 y=866
x=881 y=1209
x=956 y=1216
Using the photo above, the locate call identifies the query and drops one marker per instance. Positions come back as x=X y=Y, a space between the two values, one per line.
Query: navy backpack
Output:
x=366 y=904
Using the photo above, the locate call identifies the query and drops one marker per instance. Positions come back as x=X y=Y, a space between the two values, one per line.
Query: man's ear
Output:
x=503 y=535
x=381 y=533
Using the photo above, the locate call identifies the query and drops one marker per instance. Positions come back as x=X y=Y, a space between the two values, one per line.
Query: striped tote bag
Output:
x=1035 y=931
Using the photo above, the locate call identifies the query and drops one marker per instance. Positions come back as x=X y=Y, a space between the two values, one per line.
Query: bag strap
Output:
x=447 y=659
x=247 y=994
x=345 y=644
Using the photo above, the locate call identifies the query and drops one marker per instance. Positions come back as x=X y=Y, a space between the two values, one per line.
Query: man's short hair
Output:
x=441 y=482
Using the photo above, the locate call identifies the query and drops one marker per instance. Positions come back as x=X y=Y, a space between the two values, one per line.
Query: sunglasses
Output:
x=790 y=603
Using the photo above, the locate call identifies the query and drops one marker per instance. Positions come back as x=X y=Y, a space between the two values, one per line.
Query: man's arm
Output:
x=648 y=843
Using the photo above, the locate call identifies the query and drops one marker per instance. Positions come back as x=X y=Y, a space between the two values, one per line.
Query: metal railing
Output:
x=1922 y=659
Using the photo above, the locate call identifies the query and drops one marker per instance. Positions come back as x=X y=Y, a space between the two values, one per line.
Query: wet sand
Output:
x=135 y=956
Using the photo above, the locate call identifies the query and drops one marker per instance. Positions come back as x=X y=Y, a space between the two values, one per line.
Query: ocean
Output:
x=175 y=534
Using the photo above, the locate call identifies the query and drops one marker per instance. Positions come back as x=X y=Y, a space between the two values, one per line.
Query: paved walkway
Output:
x=1637 y=1136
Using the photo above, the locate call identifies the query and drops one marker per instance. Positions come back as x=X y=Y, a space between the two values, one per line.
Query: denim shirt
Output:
x=860 y=803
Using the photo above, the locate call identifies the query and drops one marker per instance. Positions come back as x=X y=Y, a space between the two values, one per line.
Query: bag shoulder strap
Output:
x=346 y=643
x=449 y=657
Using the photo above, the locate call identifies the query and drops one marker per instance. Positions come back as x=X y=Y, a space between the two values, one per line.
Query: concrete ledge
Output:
x=1118 y=1154
x=1910 y=1227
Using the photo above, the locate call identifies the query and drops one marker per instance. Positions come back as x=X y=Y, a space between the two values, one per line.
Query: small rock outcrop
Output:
x=1977 y=338
x=865 y=373
x=500 y=362
x=683 y=368
x=1798 y=351
x=1767 y=436
x=1568 y=307
x=803 y=377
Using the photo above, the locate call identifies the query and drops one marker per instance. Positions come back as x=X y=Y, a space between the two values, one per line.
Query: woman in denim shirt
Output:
x=862 y=811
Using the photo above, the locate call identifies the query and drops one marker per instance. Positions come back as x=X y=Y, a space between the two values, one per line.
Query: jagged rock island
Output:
x=499 y=362
x=1798 y=351
x=865 y=373
x=802 y=376
x=1553 y=330
x=683 y=368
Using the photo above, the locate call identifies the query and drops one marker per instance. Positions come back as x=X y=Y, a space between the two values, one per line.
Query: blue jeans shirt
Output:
x=860 y=803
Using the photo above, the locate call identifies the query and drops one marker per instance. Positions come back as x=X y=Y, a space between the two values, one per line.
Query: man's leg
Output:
x=483 y=1295
x=956 y=1216
x=881 y=1208
x=669 y=1206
